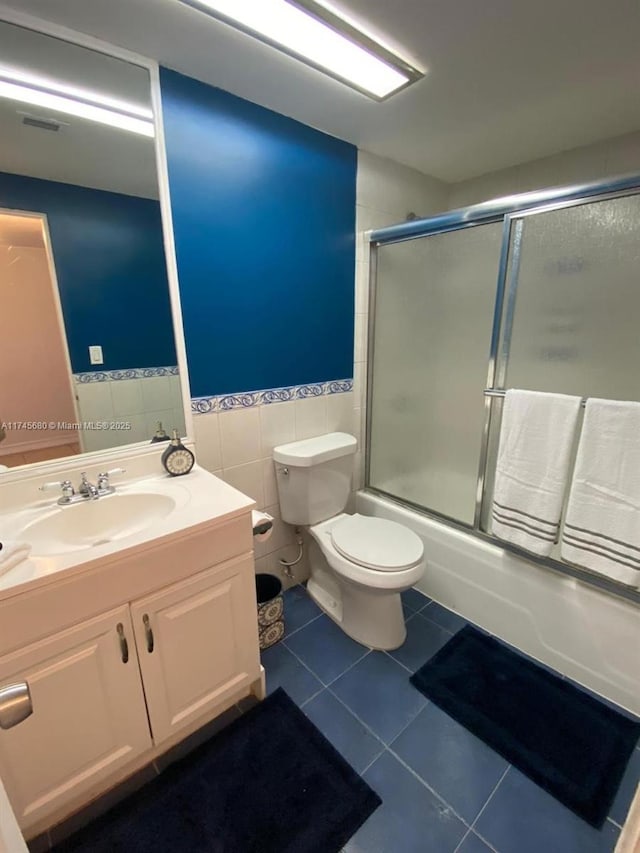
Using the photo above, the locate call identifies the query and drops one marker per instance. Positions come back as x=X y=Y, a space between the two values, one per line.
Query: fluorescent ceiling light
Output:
x=318 y=37
x=20 y=86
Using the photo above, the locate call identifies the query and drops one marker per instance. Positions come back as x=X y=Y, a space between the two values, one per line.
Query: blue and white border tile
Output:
x=249 y=399
x=129 y=373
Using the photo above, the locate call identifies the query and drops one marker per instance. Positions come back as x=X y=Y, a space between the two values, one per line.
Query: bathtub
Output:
x=583 y=633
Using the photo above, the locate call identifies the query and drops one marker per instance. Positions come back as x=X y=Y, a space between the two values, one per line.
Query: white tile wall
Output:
x=238 y=446
x=207 y=438
x=310 y=417
x=277 y=426
x=240 y=436
x=386 y=192
x=617 y=156
x=126 y=396
x=140 y=402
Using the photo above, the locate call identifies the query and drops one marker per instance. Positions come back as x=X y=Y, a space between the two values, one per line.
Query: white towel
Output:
x=12 y=553
x=531 y=472
x=602 y=525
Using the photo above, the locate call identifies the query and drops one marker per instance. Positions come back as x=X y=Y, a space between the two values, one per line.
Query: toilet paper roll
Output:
x=262 y=525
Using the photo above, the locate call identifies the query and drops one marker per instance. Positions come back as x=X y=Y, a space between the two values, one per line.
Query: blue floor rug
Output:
x=268 y=783
x=572 y=745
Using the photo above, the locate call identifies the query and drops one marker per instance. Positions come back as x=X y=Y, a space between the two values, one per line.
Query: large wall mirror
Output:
x=87 y=349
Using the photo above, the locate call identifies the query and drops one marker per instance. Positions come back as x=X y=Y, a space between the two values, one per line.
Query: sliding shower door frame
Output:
x=511 y=211
x=443 y=227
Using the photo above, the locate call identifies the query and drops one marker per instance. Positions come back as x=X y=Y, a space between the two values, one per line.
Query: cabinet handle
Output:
x=15 y=704
x=148 y=632
x=124 y=646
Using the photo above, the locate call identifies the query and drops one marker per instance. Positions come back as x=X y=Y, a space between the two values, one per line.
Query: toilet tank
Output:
x=314 y=477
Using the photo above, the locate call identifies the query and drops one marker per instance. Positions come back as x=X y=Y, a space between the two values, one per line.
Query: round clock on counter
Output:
x=177 y=459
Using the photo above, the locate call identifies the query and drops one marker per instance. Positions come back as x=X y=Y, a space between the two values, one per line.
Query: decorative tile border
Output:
x=130 y=373
x=228 y=402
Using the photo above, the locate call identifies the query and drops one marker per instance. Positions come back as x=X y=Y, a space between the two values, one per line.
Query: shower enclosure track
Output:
x=510 y=210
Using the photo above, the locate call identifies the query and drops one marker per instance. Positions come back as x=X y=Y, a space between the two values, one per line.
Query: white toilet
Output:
x=359 y=565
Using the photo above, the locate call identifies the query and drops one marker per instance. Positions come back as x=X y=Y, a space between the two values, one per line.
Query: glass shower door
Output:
x=434 y=306
x=572 y=307
x=574 y=300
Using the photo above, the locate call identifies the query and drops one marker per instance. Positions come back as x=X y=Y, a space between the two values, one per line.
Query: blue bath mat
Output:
x=269 y=783
x=572 y=745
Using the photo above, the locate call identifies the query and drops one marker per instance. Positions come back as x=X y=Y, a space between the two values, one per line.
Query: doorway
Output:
x=37 y=399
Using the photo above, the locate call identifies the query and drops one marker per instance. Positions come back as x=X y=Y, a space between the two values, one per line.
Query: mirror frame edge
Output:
x=13 y=16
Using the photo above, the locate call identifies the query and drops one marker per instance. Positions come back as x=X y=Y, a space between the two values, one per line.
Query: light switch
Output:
x=95 y=355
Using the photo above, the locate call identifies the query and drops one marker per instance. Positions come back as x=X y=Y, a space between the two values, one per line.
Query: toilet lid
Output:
x=377 y=543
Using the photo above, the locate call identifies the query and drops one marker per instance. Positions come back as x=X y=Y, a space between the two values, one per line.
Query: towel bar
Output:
x=500 y=392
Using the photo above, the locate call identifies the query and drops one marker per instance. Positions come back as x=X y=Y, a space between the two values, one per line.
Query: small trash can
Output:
x=270 y=610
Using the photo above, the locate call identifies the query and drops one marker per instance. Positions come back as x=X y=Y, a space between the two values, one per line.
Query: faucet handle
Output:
x=66 y=486
x=55 y=484
x=103 y=479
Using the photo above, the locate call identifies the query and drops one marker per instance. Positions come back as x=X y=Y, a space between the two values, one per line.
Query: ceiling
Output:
x=81 y=152
x=25 y=231
x=507 y=81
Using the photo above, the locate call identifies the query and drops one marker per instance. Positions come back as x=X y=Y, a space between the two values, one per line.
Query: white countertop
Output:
x=201 y=499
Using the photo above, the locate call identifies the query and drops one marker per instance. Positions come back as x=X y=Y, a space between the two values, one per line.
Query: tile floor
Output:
x=443 y=790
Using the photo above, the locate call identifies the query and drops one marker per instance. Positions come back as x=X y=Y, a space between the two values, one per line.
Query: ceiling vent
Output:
x=42 y=123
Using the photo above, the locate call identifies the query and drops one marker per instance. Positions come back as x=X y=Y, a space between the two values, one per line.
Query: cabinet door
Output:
x=198 y=644
x=88 y=719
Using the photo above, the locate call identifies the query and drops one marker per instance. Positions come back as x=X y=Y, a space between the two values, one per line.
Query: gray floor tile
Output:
x=473 y=844
x=352 y=740
x=447 y=619
x=424 y=639
x=299 y=609
x=522 y=818
x=378 y=691
x=452 y=761
x=410 y=820
x=325 y=648
x=284 y=670
x=414 y=600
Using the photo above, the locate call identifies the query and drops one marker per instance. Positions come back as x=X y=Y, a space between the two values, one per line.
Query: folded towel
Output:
x=531 y=472
x=12 y=553
x=602 y=525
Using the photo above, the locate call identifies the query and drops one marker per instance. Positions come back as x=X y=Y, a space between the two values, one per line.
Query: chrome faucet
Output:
x=86 y=491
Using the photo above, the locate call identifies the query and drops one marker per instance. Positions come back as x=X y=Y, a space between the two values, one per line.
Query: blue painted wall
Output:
x=264 y=222
x=109 y=258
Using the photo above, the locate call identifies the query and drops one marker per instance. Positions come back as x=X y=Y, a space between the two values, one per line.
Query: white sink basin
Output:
x=146 y=508
x=87 y=525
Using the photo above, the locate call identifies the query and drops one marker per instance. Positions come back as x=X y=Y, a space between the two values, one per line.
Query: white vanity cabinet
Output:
x=89 y=716
x=123 y=660
x=191 y=640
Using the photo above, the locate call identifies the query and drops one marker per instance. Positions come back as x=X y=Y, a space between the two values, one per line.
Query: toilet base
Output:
x=372 y=617
x=380 y=627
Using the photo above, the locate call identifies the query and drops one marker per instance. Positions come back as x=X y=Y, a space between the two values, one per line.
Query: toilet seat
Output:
x=376 y=543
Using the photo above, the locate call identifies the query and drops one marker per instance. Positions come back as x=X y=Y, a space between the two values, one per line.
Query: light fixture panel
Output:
x=310 y=32
x=19 y=85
